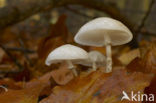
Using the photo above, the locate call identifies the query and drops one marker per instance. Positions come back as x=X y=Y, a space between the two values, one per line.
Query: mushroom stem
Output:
x=74 y=72
x=72 y=67
x=94 y=66
x=108 y=58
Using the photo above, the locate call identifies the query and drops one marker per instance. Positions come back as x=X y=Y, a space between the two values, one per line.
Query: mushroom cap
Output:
x=94 y=56
x=66 y=52
x=100 y=30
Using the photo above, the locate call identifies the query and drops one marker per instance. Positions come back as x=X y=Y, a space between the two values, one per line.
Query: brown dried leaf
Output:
x=147 y=62
x=149 y=59
x=45 y=46
x=56 y=38
x=62 y=75
x=126 y=58
x=99 y=87
x=9 y=84
x=151 y=89
x=136 y=65
x=60 y=28
x=28 y=95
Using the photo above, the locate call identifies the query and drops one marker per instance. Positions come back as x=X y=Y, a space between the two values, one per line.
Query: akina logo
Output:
x=137 y=96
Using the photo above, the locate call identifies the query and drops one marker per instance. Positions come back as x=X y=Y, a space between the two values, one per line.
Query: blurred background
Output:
x=30 y=29
x=138 y=15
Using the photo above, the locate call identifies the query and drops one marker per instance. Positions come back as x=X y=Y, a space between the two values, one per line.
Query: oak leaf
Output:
x=99 y=87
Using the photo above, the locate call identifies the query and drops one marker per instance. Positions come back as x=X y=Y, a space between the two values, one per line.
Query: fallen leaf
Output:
x=99 y=87
x=9 y=84
x=127 y=57
x=136 y=65
x=72 y=91
x=147 y=62
x=59 y=28
x=28 y=95
x=62 y=75
x=149 y=59
x=151 y=89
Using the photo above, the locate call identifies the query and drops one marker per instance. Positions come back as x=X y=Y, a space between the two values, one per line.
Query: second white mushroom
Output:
x=68 y=53
x=96 y=59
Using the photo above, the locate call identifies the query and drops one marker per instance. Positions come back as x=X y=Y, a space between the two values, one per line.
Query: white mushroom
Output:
x=96 y=59
x=68 y=53
x=101 y=32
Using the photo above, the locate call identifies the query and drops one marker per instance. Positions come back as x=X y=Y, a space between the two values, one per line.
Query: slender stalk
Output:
x=72 y=67
x=74 y=72
x=108 y=58
x=108 y=53
x=94 y=66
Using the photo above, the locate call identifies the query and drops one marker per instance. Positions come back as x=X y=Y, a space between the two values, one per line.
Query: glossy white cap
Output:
x=96 y=56
x=66 y=52
x=102 y=30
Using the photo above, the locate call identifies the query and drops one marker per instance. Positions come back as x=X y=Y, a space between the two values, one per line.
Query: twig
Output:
x=9 y=71
x=25 y=53
x=78 y=13
x=142 y=24
x=16 y=62
x=134 y=43
x=135 y=11
x=19 y=49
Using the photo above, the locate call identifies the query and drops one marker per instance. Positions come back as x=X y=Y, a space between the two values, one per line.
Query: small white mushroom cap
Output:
x=98 y=31
x=66 y=52
x=94 y=56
